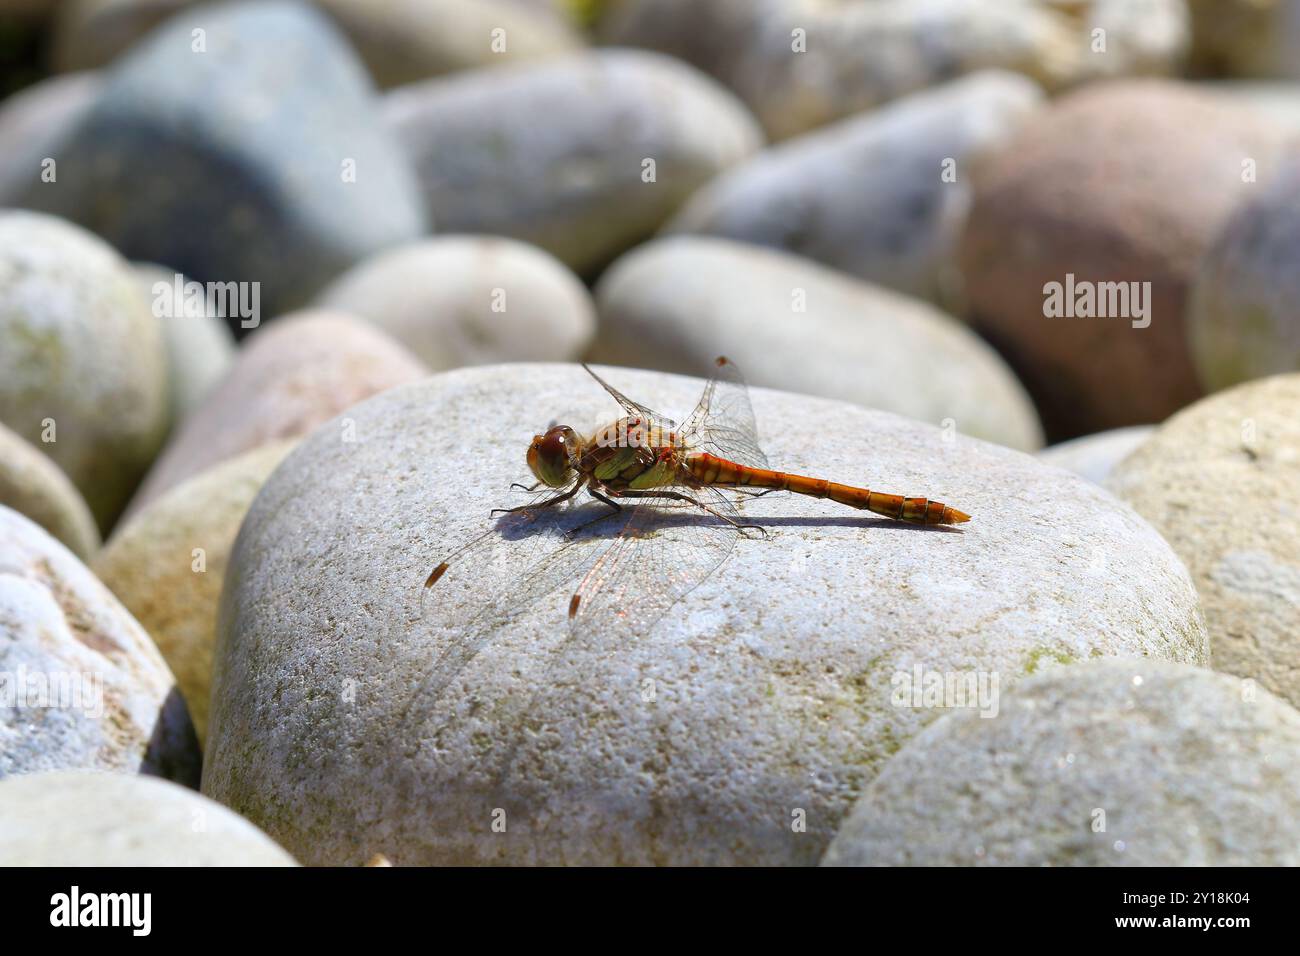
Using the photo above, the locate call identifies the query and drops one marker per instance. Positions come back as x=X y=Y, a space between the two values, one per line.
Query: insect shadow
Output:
x=594 y=520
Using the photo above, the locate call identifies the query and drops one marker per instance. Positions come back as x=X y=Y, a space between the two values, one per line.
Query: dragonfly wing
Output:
x=665 y=549
x=722 y=423
x=540 y=545
x=648 y=416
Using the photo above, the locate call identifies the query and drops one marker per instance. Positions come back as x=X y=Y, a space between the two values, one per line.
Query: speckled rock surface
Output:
x=83 y=686
x=200 y=348
x=1221 y=482
x=770 y=683
x=301 y=370
x=750 y=45
x=1242 y=316
x=81 y=351
x=151 y=565
x=470 y=300
x=35 y=122
x=1095 y=456
x=872 y=195
x=663 y=306
x=1179 y=765
x=574 y=184
x=259 y=157
x=1124 y=182
x=109 y=819
x=405 y=42
x=34 y=486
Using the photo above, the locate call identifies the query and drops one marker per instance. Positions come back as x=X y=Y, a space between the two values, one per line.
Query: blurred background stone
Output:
x=1124 y=182
x=750 y=45
x=792 y=324
x=1248 y=38
x=557 y=154
x=470 y=300
x=287 y=379
x=1095 y=456
x=35 y=125
x=200 y=348
x=34 y=486
x=83 y=368
x=883 y=195
x=249 y=151
x=1243 y=317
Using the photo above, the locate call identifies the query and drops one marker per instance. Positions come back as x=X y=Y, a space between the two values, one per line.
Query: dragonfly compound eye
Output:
x=549 y=456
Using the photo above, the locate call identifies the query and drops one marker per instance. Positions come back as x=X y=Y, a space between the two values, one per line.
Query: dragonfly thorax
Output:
x=553 y=457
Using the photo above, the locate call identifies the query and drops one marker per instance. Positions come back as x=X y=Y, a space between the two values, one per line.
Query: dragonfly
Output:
x=668 y=496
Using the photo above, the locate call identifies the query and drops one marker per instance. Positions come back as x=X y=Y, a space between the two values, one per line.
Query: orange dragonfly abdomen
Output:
x=711 y=470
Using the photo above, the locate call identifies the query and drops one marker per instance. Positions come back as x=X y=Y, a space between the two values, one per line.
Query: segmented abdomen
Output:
x=711 y=470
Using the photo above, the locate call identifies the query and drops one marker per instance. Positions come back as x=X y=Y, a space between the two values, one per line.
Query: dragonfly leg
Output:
x=678 y=496
x=563 y=496
x=596 y=494
x=755 y=494
x=533 y=487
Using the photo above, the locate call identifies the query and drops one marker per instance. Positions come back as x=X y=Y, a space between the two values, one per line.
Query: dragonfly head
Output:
x=551 y=457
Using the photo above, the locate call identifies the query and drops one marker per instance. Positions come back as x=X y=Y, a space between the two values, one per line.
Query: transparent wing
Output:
x=623 y=572
x=664 y=551
x=722 y=423
x=537 y=542
x=649 y=416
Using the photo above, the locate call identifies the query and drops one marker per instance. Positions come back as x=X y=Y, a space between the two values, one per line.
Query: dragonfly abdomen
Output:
x=711 y=470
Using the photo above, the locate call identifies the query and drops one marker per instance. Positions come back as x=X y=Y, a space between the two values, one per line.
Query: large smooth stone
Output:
x=738 y=730
x=1095 y=456
x=677 y=304
x=36 y=122
x=882 y=196
x=34 y=486
x=1221 y=481
x=1242 y=316
x=1124 y=182
x=83 y=371
x=470 y=300
x=299 y=371
x=554 y=153
x=108 y=819
x=260 y=158
x=1110 y=763
x=166 y=565
x=200 y=347
x=751 y=45
x=82 y=685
